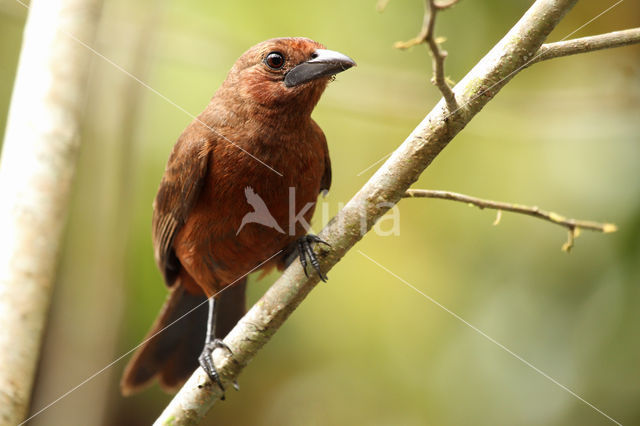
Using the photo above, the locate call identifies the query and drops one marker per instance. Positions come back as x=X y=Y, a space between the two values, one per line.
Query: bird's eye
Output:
x=274 y=60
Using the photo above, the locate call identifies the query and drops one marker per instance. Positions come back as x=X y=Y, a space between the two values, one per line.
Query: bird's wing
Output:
x=325 y=183
x=179 y=189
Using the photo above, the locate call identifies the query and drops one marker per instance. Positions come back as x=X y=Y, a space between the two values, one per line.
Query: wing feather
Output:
x=179 y=189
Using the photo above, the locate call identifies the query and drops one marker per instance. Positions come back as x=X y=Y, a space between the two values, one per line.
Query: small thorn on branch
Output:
x=431 y=8
x=573 y=226
x=498 y=218
x=573 y=233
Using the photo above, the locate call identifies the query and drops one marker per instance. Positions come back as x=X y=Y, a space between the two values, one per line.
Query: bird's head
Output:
x=285 y=72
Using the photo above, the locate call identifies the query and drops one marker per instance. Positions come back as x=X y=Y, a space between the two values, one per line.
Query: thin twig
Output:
x=573 y=225
x=431 y=8
x=587 y=44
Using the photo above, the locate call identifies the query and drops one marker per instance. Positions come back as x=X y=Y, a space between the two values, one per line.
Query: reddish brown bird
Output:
x=254 y=143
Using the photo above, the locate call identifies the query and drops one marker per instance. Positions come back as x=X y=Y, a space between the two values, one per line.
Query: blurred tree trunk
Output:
x=106 y=182
x=36 y=172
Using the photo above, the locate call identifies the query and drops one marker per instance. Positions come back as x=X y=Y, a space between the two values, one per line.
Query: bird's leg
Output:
x=307 y=255
x=210 y=344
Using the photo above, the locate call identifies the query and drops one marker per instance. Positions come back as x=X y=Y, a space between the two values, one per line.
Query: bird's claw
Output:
x=206 y=361
x=306 y=251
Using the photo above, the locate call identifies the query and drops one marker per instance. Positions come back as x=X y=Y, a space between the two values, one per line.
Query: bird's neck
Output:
x=241 y=113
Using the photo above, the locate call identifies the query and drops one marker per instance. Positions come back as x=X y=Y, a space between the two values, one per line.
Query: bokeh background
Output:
x=365 y=348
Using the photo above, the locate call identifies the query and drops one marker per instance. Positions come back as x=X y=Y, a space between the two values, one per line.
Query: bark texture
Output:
x=36 y=172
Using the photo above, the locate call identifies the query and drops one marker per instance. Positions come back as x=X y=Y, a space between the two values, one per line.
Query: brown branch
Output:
x=587 y=44
x=573 y=225
x=431 y=8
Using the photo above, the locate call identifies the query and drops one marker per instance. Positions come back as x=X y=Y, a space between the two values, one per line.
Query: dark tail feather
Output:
x=172 y=355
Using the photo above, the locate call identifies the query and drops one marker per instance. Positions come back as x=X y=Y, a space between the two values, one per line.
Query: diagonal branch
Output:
x=384 y=189
x=426 y=35
x=587 y=44
x=572 y=225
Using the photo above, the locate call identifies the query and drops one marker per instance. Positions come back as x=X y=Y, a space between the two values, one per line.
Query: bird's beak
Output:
x=323 y=63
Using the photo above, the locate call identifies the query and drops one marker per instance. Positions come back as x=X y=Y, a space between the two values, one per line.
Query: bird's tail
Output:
x=171 y=348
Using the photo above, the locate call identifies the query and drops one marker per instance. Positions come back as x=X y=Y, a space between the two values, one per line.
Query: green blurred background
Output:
x=365 y=348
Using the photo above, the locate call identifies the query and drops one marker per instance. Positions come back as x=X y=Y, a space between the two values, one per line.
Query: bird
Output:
x=256 y=132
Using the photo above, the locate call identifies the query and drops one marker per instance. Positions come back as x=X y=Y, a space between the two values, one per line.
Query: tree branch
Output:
x=36 y=172
x=587 y=44
x=384 y=189
x=573 y=225
x=431 y=8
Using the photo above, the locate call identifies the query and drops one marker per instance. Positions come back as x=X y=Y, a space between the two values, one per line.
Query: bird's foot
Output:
x=307 y=255
x=206 y=361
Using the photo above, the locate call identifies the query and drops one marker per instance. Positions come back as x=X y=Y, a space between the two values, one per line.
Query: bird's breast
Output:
x=251 y=206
